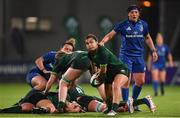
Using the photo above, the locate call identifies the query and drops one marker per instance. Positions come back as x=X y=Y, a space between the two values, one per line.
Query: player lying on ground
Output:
x=47 y=103
x=38 y=102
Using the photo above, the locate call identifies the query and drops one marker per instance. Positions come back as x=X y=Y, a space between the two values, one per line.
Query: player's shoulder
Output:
x=52 y=52
x=123 y=22
x=142 y=22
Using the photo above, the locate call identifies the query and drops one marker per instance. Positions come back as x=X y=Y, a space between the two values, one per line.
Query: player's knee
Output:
x=41 y=86
x=27 y=107
x=140 y=82
x=65 y=80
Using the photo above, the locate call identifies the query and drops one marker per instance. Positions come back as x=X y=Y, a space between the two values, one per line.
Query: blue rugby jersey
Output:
x=49 y=60
x=162 y=52
x=132 y=36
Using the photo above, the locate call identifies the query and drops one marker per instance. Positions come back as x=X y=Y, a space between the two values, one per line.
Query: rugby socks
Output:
x=162 y=88
x=138 y=102
x=155 y=87
x=136 y=91
x=13 y=109
x=61 y=106
x=115 y=106
x=125 y=94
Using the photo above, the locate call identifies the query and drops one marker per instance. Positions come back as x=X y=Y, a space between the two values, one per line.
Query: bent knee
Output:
x=27 y=107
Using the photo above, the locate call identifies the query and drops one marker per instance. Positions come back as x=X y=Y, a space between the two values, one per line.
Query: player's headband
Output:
x=133 y=7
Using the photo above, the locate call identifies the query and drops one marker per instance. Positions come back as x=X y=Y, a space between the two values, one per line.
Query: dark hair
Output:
x=92 y=36
x=133 y=7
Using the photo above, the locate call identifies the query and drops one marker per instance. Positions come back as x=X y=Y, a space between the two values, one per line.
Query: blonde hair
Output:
x=71 y=41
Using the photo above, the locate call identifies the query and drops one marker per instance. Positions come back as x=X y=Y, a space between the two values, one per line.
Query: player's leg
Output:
x=155 y=79
x=38 y=82
x=125 y=89
x=69 y=76
x=102 y=91
x=146 y=100
x=118 y=82
x=162 y=77
x=138 y=71
x=108 y=93
x=139 y=79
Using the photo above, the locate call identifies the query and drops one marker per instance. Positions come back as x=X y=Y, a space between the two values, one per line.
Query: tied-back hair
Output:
x=71 y=41
x=92 y=36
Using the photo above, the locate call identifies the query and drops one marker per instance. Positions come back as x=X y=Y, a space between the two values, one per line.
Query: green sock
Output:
x=115 y=106
x=109 y=104
x=61 y=105
x=14 y=109
x=138 y=102
x=122 y=104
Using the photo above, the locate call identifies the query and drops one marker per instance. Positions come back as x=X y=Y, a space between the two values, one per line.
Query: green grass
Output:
x=167 y=106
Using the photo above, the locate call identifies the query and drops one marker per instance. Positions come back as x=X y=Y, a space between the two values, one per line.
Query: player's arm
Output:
x=150 y=44
x=149 y=62
x=52 y=79
x=39 y=63
x=107 y=37
x=170 y=60
x=53 y=76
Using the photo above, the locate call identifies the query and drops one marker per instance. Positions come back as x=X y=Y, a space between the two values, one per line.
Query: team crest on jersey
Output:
x=128 y=29
x=141 y=28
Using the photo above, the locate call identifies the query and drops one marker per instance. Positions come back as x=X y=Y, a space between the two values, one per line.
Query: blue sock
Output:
x=155 y=86
x=136 y=91
x=125 y=94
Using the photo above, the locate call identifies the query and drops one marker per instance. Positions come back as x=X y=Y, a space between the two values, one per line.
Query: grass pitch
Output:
x=167 y=106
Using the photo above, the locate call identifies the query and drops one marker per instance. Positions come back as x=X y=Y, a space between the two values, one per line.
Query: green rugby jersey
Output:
x=104 y=57
x=64 y=61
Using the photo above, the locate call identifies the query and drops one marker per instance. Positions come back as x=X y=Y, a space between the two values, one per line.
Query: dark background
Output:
x=162 y=17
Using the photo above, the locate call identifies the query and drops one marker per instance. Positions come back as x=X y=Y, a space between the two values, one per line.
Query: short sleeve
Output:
x=146 y=29
x=49 y=57
x=118 y=27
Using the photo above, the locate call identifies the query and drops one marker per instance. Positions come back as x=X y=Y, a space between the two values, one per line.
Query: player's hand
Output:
x=45 y=92
x=101 y=43
x=170 y=64
x=46 y=71
x=154 y=56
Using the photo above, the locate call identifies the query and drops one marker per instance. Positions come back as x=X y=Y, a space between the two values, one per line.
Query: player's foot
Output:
x=106 y=111
x=136 y=108
x=130 y=105
x=155 y=93
x=162 y=92
x=111 y=113
x=150 y=103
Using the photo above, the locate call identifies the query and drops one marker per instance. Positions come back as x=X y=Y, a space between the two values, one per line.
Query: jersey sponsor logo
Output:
x=134 y=36
x=128 y=29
